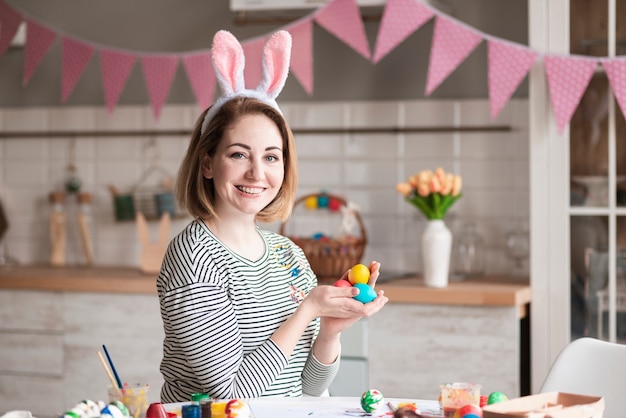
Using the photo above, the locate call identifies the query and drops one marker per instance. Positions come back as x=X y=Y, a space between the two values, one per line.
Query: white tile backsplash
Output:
x=361 y=167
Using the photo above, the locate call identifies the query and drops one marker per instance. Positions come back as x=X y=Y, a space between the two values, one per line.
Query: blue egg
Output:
x=366 y=293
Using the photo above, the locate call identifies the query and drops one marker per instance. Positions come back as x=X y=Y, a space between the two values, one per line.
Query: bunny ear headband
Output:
x=229 y=61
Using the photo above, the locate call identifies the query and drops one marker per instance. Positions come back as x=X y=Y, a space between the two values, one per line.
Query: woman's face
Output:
x=247 y=168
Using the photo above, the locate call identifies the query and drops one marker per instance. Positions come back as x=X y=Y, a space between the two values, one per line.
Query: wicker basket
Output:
x=331 y=257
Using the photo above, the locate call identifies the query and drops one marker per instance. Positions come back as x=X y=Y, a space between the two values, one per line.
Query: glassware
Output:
x=517 y=246
x=469 y=252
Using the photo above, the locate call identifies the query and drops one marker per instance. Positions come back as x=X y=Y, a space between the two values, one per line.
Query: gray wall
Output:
x=186 y=25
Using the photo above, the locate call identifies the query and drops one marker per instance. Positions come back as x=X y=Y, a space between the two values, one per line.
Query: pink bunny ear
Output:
x=228 y=61
x=276 y=57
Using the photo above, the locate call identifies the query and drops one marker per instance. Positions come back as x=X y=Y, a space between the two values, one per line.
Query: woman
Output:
x=242 y=313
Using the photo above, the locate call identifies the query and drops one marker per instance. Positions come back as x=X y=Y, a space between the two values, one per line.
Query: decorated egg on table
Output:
x=366 y=293
x=496 y=397
x=111 y=410
x=468 y=411
x=237 y=408
x=371 y=400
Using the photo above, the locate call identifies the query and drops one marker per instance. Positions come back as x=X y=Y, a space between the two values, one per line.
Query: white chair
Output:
x=588 y=366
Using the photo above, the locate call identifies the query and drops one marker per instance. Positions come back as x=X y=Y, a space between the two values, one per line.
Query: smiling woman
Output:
x=242 y=313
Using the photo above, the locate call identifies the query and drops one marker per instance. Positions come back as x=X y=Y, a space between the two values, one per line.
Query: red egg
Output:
x=470 y=411
x=334 y=205
x=342 y=283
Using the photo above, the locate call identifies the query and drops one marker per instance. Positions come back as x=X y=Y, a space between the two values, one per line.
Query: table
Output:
x=312 y=407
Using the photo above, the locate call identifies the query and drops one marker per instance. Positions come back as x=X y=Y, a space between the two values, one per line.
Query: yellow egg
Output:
x=310 y=202
x=359 y=274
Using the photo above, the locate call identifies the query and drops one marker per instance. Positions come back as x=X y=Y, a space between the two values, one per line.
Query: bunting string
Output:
x=452 y=42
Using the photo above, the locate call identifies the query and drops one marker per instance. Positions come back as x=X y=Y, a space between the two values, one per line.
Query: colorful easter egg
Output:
x=469 y=411
x=112 y=411
x=496 y=397
x=310 y=202
x=334 y=205
x=359 y=273
x=366 y=293
x=371 y=400
x=237 y=408
x=322 y=201
x=121 y=407
x=342 y=283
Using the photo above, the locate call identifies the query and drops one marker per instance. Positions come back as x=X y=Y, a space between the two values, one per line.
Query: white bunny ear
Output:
x=276 y=57
x=228 y=62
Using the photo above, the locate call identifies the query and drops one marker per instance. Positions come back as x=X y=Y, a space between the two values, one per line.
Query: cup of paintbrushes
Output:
x=134 y=397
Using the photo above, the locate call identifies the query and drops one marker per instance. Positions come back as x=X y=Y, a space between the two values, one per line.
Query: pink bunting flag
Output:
x=400 y=19
x=615 y=69
x=451 y=44
x=76 y=56
x=253 y=71
x=568 y=78
x=201 y=77
x=9 y=24
x=302 y=59
x=159 y=72
x=342 y=18
x=508 y=64
x=116 y=67
x=38 y=40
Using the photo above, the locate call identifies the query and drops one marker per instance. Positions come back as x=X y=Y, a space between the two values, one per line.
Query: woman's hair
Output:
x=197 y=193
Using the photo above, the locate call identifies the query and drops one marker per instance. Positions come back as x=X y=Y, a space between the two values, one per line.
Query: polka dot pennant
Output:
x=342 y=18
x=76 y=56
x=159 y=71
x=616 y=72
x=201 y=76
x=115 y=67
x=39 y=40
x=452 y=43
x=400 y=19
x=508 y=64
x=568 y=78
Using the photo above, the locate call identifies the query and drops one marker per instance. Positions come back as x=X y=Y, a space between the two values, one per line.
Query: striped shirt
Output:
x=219 y=311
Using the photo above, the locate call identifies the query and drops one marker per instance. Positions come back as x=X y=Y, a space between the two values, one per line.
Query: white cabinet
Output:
x=353 y=376
x=415 y=347
x=49 y=343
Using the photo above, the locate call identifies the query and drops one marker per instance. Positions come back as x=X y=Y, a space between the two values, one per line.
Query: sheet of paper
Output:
x=310 y=407
x=330 y=407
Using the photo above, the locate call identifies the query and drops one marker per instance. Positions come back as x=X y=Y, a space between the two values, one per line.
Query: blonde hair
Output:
x=197 y=194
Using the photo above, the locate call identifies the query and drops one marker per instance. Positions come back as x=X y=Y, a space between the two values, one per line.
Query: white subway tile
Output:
x=72 y=119
x=310 y=146
x=371 y=173
x=371 y=146
x=24 y=149
x=323 y=175
x=20 y=119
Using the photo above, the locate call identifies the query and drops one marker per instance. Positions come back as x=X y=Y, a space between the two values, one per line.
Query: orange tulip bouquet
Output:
x=432 y=193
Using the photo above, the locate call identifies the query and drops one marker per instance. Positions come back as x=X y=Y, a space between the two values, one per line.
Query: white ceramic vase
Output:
x=436 y=249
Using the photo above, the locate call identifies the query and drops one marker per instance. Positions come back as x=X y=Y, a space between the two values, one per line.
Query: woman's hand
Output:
x=333 y=324
x=327 y=344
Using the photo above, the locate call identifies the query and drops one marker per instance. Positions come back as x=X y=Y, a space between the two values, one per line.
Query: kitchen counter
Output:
x=486 y=291
x=127 y=280
x=483 y=291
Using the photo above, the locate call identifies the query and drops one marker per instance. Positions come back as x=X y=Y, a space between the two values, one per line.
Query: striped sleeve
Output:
x=316 y=376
